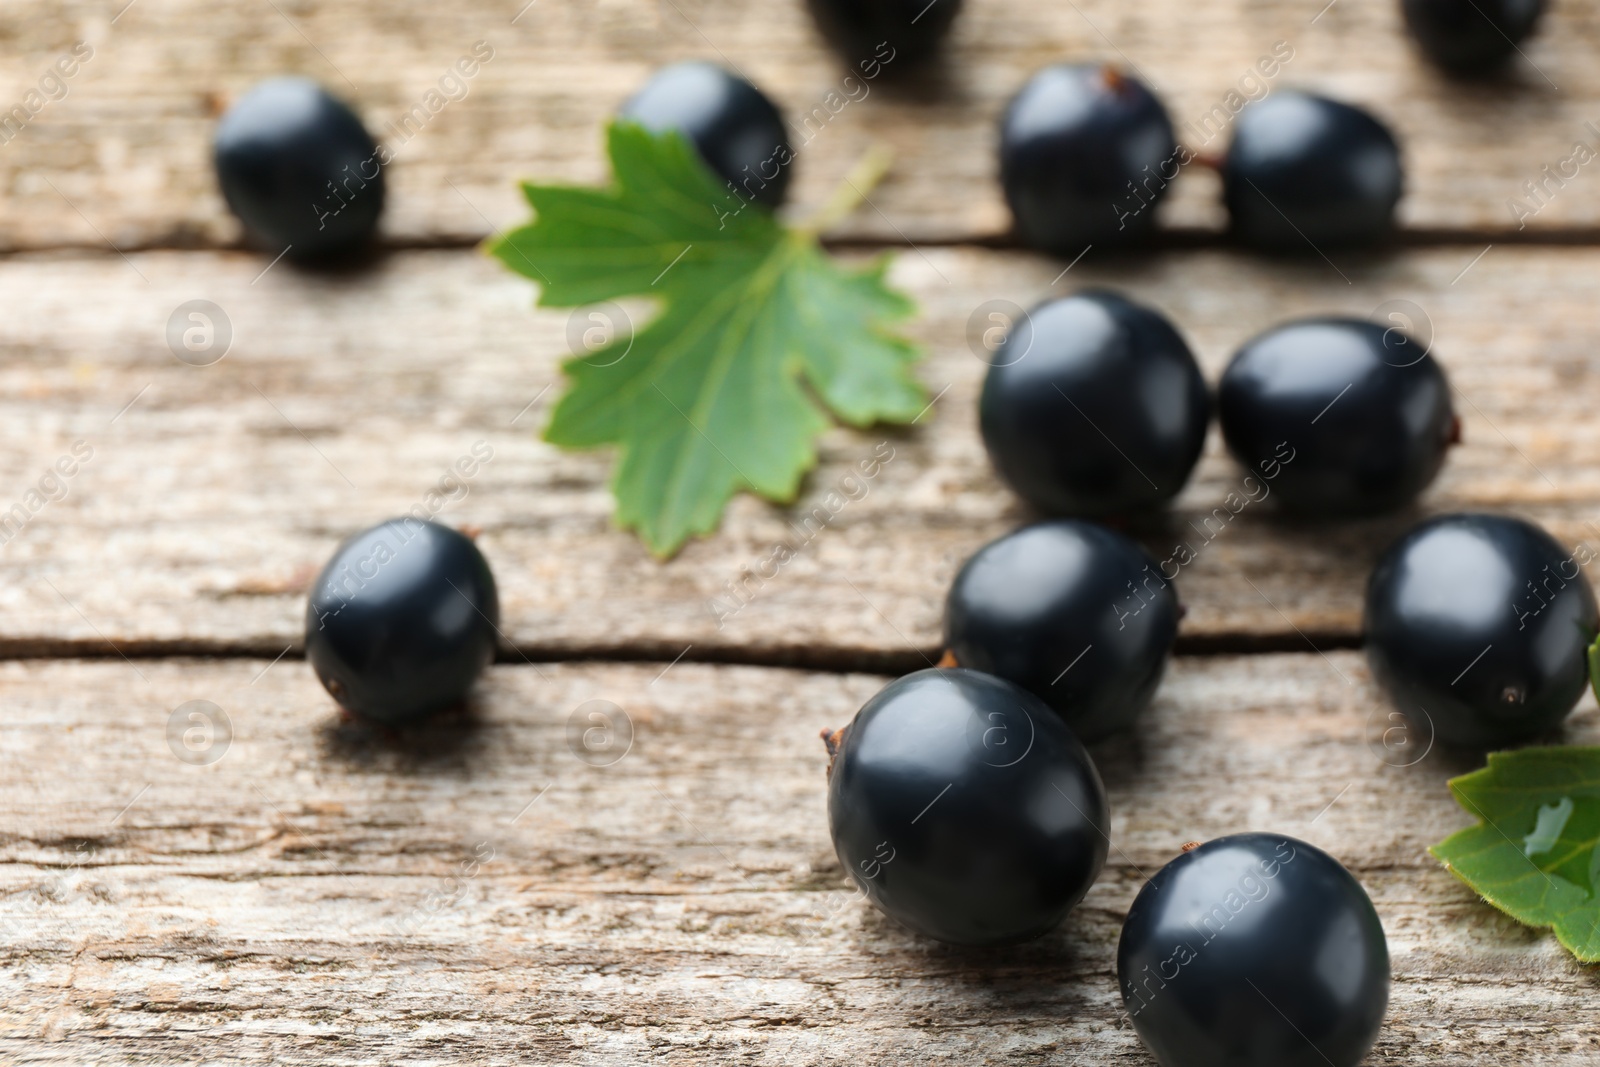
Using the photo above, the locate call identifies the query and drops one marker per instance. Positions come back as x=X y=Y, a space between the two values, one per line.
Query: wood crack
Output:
x=1175 y=239
x=822 y=659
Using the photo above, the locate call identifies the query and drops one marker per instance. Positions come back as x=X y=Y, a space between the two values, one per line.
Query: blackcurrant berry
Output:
x=735 y=128
x=1339 y=416
x=886 y=35
x=1086 y=153
x=1477 y=625
x=1073 y=612
x=1254 y=950
x=964 y=808
x=1094 y=405
x=402 y=620
x=1471 y=36
x=299 y=169
x=1305 y=173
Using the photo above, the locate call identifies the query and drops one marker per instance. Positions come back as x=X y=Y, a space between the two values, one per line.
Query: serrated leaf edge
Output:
x=1483 y=776
x=795 y=241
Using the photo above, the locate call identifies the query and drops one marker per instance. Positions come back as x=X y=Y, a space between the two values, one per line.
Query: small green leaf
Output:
x=758 y=329
x=1535 y=853
x=1594 y=666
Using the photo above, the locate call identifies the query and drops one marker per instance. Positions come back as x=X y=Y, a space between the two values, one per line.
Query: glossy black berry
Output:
x=299 y=169
x=1255 y=950
x=1094 y=405
x=1471 y=36
x=1086 y=153
x=1073 y=612
x=884 y=36
x=1337 y=416
x=1476 y=627
x=964 y=808
x=735 y=128
x=1305 y=173
x=402 y=620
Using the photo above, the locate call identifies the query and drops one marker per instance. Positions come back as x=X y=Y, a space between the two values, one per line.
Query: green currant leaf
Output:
x=1535 y=853
x=759 y=335
x=1594 y=666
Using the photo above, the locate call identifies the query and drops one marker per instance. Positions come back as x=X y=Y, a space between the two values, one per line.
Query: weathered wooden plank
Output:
x=123 y=156
x=474 y=892
x=213 y=493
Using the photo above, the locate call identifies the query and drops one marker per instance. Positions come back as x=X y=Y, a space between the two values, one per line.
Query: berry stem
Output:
x=1113 y=78
x=834 y=740
x=852 y=192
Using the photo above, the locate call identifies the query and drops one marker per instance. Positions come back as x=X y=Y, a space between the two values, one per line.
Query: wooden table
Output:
x=322 y=893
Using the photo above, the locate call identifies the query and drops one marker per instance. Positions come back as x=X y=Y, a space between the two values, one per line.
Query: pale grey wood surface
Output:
x=313 y=896
x=212 y=499
x=476 y=893
x=123 y=157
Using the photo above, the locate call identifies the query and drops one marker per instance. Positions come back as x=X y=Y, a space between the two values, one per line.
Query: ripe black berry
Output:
x=299 y=169
x=1096 y=406
x=1086 y=153
x=1073 y=612
x=731 y=123
x=1471 y=36
x=1476 y=626
x=402 y=620
x=891 y=35
x=964 y=808
x=1342 y=416
x=1305 y=172
x=1254 y=950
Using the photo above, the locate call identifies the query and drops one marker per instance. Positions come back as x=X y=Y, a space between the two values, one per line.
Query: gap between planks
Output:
x=820 y=660
x=1176 y=239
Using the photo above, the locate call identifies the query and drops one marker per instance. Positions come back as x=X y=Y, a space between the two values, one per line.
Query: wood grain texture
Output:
x=476 y=893
x=123 y=158
x=215 y=493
